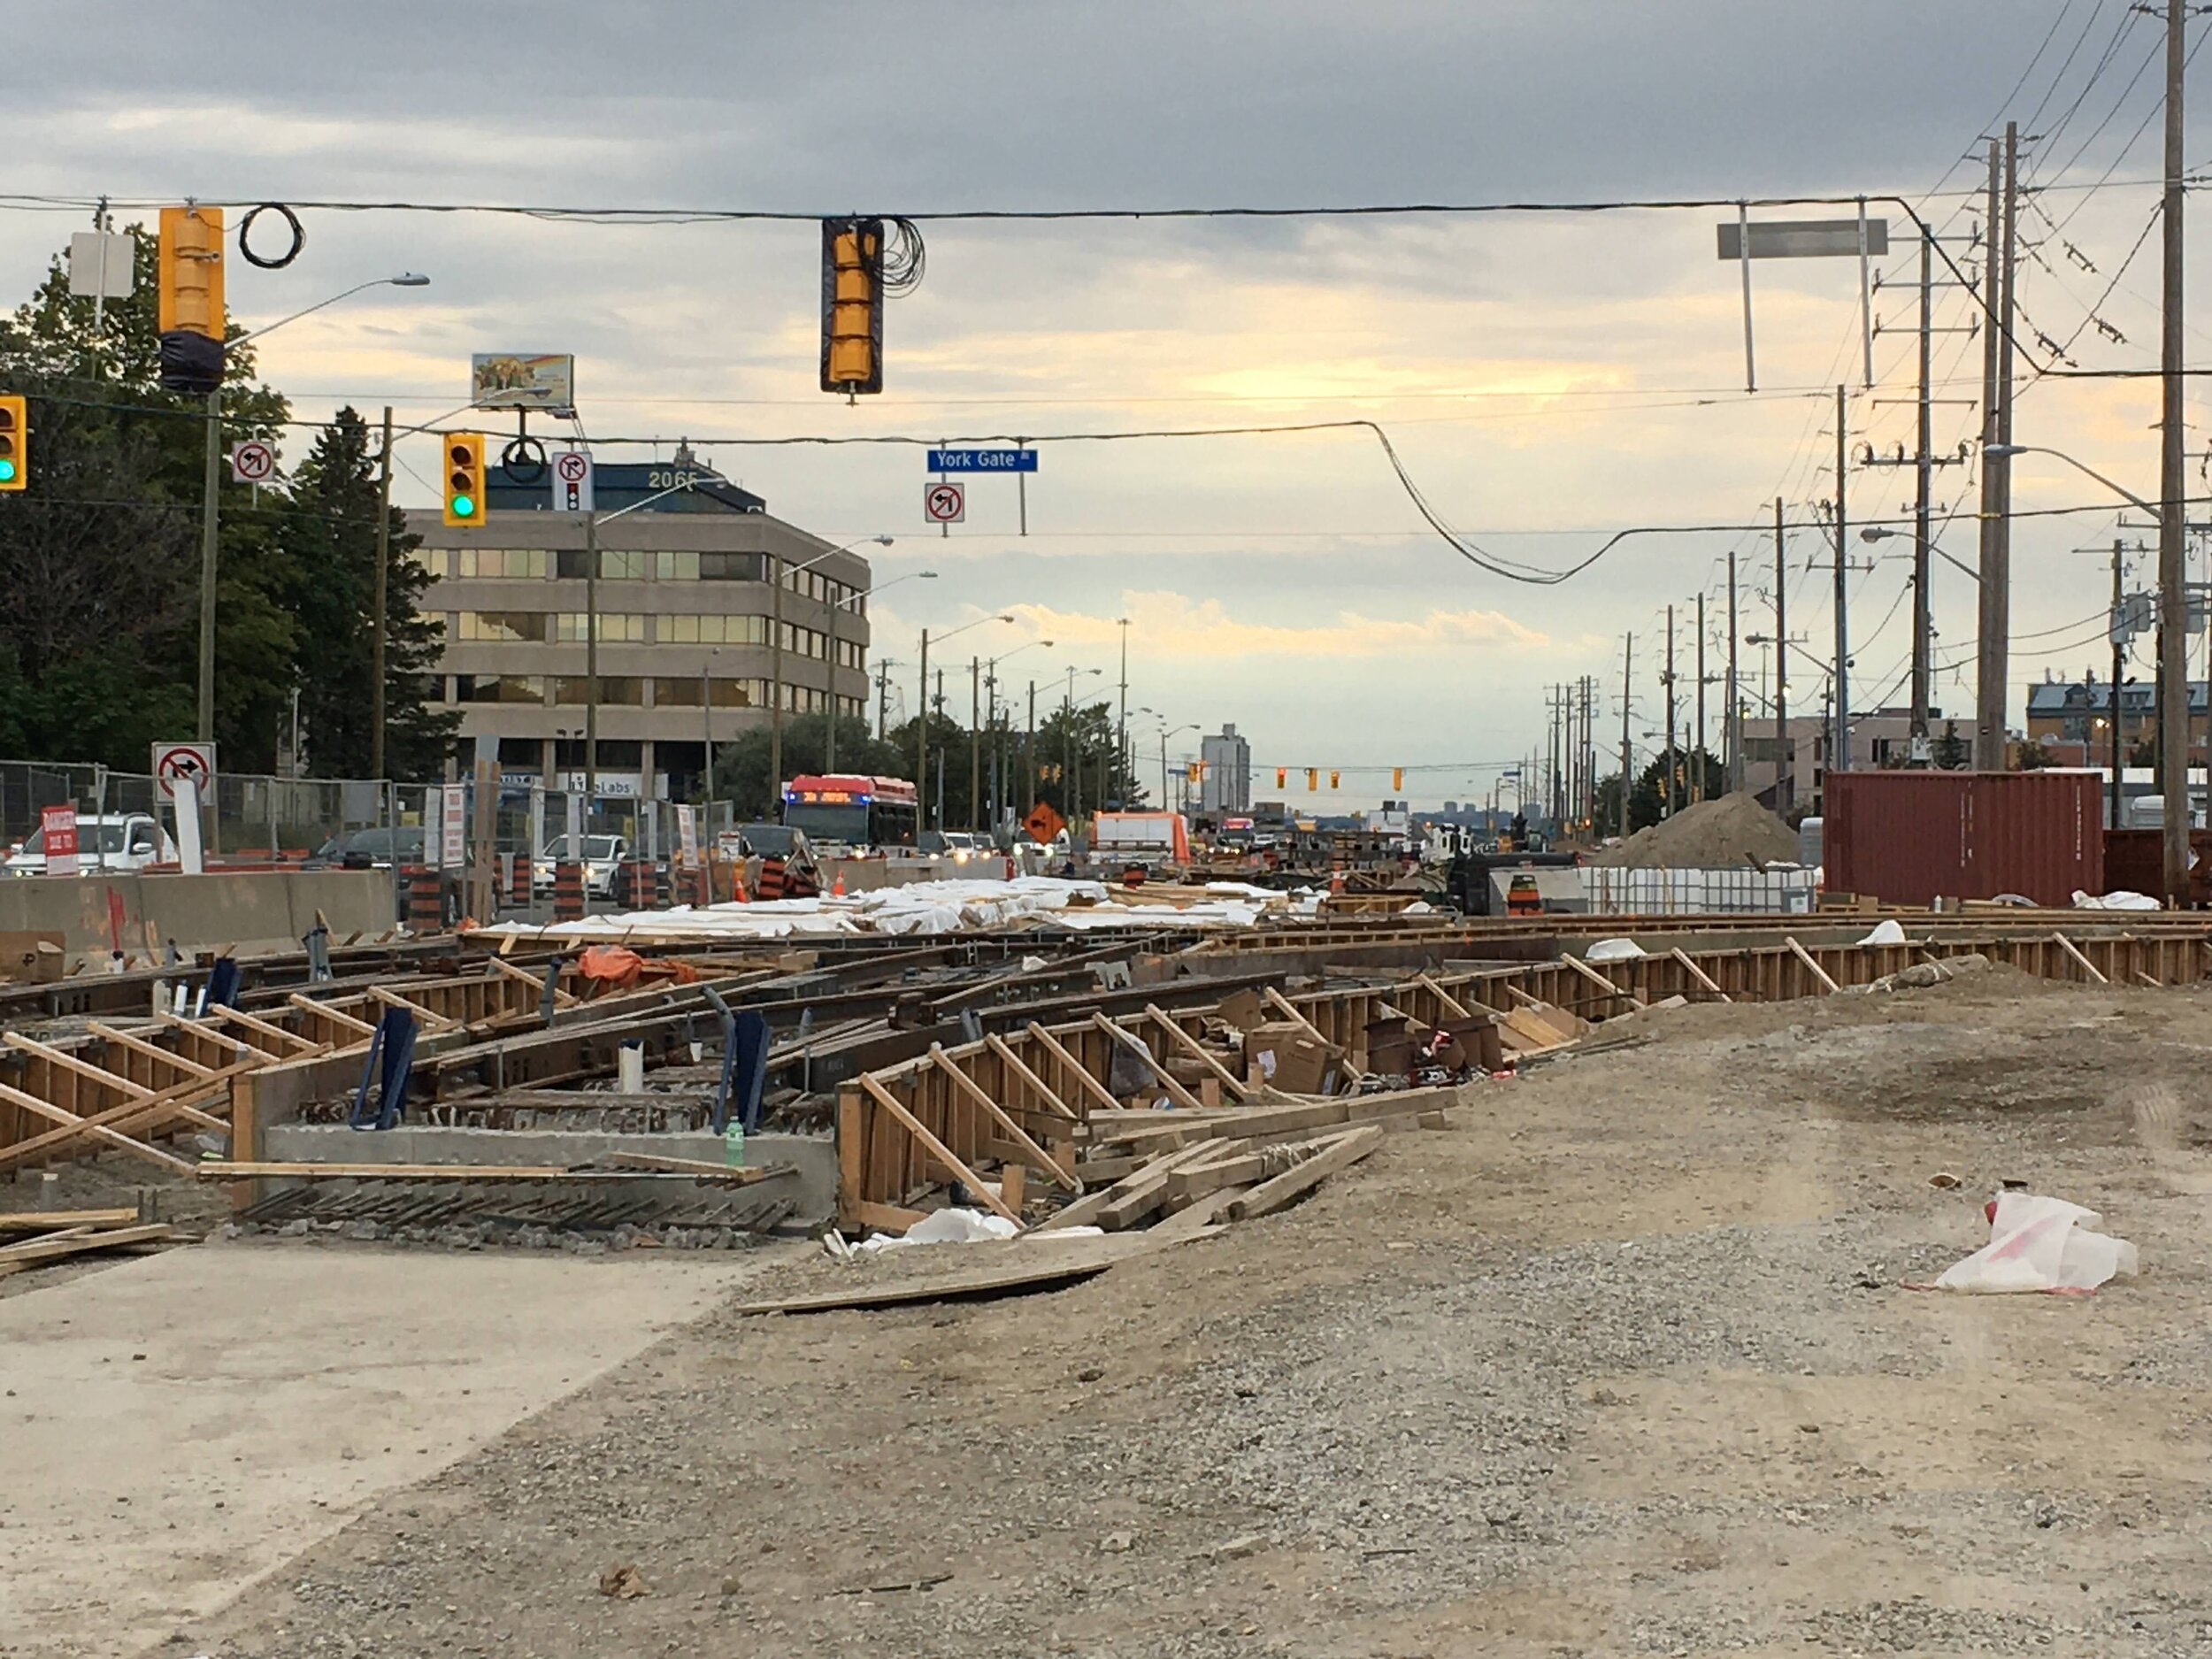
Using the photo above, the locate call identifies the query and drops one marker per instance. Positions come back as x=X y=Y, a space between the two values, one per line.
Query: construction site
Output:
x=1064 y=1265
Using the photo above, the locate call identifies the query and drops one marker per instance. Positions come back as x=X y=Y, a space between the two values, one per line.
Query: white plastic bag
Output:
x=1613 y=950
x=2039 y=1244
x=1885 y=932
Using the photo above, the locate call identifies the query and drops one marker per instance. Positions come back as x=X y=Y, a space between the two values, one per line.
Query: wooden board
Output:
x=1034 y=1267
x=15 y=1258
x=1270 y=1196
x=54 y=1220
x=219 y=1170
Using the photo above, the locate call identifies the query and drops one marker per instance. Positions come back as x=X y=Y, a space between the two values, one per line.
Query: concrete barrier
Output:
x=242 y=911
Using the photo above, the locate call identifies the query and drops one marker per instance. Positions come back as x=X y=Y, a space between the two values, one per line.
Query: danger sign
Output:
x=176 y=761
x=1043 y=822
x=944 y=504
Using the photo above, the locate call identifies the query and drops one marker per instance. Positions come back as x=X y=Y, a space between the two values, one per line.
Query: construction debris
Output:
x=81 y=1239
x=1730 y=831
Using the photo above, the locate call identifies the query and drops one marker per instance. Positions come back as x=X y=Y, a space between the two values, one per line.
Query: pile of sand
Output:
x=1726 y=834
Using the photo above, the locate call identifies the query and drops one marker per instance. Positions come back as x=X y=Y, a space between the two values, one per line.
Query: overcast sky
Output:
x=1546 y=379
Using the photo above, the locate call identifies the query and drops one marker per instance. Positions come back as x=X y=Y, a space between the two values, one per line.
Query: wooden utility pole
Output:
x=1989 y=650
x=2173 y=567
x=379 y=603
x=1922 y=620
x=1784 y=783
x=1628 y=752
x=2119 y=666
x=1697 y=749
x=1839 y=742
x=1734 y=716
x=1666 y=777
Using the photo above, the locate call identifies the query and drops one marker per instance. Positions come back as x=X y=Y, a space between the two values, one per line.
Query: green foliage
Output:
x=100 y=557
x=1950 y=752
x=1648 y=800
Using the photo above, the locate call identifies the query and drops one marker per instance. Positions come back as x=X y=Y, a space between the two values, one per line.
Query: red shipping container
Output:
x=1910 y=837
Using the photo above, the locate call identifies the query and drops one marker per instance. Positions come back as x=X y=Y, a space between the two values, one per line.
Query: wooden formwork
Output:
x=953 y=1113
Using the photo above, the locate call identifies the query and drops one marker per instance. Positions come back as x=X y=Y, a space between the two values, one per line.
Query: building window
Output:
x=500 y=626
x=613 y=688
x=499 y=689
x=615 y=565
x=740 y=693
x=511 y=563
x=678 y=694
x=617 y=627
x=686 y=693
x=851 y=653
x=712 y=630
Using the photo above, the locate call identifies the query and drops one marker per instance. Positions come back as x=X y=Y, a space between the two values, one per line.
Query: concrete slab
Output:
x=176 y=1428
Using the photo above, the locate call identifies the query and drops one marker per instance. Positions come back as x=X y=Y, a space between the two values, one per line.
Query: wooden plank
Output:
x=1241 y=1169
x=1002 y=1271
x=15 y=1258
x=1086 y=1211
x=208 y=1033
x=1812 y=967
x=73 y=1126
x=220 y=1170
x=262 y=1027
x=47 y=1220
x=1190 y=1045
x=1603 y=984
x=852 y=1154
x=431 y=1020
x=1014 y=1062
x=2080 y=961
x=1690 y=967
x=740 y=1176
x=337 y=1017
x=536 y=982
x=1270 y=1196
x=1196 y=1218
x=1452 y=1004
x=82 y=1067
x=936 y=1149
x=1091 y=1086
x=151 y=1051
x=1044 y=1162
x=2156 y=985
x=1176 y=1092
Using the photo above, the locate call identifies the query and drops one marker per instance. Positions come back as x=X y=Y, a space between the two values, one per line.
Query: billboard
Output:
x=522 y=379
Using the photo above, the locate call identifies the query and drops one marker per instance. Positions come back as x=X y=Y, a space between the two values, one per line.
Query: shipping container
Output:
x=1912 y=837
x=2135 y=861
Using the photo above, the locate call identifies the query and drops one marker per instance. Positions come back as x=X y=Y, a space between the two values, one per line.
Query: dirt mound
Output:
x=1726 y=833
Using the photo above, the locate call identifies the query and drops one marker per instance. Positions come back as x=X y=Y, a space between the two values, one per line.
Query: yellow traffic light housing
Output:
x=465 y=500
x=852 y=305
x=191 y=271
x=15 y=451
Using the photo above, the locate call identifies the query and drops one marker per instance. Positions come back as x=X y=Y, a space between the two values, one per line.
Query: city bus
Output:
x=846 y=810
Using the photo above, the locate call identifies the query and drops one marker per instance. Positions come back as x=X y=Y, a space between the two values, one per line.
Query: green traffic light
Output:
x=464 y=507
x=7 y=472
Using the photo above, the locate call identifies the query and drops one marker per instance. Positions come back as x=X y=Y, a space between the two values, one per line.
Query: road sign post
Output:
x=173 y=762
x=252 y=461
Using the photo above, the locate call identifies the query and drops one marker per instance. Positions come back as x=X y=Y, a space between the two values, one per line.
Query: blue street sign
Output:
x=982 y=460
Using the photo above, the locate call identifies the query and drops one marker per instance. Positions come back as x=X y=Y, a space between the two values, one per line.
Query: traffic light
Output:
x=852 y=305
x=1332 y=777
x=1282 y=776
x=465 y=479
x=1313 y=780
x=15 y=452
x=190 y=295
x=1397 y=779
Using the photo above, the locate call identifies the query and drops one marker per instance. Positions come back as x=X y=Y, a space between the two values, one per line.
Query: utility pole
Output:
x=1784 y=783
x=921 y=744
x=1993 y=666
x=1697 y=749
x=1029 y=751
x=380 y=604
x=211 y=526
x=975 y=739
x=2173 y=562
x=1735 y=706
x=1667 y=777
x=2119 y=666
x=1628 y=754
x=883 y=697
x=773 y=567
x=1839 y=749
x=1922 y=619
x=591 y=674
x=1121 y=731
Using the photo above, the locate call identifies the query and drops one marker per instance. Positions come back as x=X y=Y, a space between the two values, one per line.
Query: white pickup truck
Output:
x=115 y=842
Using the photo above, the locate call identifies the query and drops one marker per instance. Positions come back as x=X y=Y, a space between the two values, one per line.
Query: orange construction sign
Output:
x=1043 y=822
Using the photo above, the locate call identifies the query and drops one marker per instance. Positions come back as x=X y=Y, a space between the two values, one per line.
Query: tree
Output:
x=331 y=532
x=1950 y=752
x=2033 y=757
x=741 y=767
x=1646 y=802
x=100 y=557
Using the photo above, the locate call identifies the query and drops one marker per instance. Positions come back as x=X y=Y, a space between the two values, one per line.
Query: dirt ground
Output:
x=1620 y=1363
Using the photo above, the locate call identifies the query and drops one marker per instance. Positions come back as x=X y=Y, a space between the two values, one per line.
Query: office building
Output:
x=1226 y=783
x=684 y=612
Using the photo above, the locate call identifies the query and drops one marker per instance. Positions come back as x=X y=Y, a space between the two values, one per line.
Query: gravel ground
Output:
x=1621 y=1363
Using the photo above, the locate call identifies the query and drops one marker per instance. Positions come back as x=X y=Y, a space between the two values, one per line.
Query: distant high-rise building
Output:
x=1227 y=784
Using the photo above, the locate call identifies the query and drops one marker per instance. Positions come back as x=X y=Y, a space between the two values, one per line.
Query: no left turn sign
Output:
x=252 y=461
x=944 y=504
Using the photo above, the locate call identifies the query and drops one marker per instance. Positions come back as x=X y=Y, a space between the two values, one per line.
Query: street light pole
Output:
x=777 y=576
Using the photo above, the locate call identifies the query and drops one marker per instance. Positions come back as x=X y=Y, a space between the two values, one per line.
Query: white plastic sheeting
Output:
x=2120 y=900
x=2040 y=1244
x=1885 y=932
x=1614 y=890
x=1613 y=950
x=930 y=907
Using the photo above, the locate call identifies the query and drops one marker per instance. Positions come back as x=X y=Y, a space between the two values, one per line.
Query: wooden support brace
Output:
x=1052 y=1103
x=73 y=1126
x=1180 y=1096
x=1812 y=967
x=431 y=1019
x=936 y=1149
x=561 y=999
x=1091 y=1087
x=201 y=1028
x=336 y=1016
x=1190 y=1045
x=151 y=1051
x=1043 y=1160
x=1452 y=1004
x=1270 y=1196
x=2080 y=961
x=2155 y=984
x=1601 y=982
x=1690 y=967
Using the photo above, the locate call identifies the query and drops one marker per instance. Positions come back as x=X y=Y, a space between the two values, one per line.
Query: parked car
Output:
x=368 y=850
x=786 y=842
x=110 y=841
x=602 y=854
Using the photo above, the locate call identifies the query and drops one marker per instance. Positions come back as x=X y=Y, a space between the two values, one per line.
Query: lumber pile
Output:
x=1183 y=1174
x=39 y=1238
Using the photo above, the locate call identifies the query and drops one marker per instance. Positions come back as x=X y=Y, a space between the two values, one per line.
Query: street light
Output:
x=1877 y=534
x=1073 y=772
x=777 y=578
x=921 y=725
x=1999 y=451
x=211 y=509
x=990 y=683
x=1166 y=731
x=851 y=600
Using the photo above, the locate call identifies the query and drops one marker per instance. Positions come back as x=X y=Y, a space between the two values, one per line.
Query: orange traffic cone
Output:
x=837 y=887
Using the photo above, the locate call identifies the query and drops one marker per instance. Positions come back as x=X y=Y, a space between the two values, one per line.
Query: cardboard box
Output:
x=1291 y=1058
x=33 y=958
